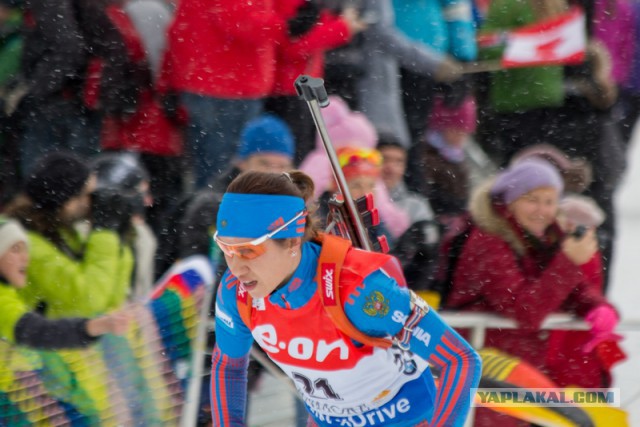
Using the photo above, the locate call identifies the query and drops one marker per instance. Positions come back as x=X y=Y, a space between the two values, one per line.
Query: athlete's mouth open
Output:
x=250 y=285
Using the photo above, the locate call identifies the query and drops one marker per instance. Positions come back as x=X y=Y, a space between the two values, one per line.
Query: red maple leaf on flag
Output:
x=547 y=50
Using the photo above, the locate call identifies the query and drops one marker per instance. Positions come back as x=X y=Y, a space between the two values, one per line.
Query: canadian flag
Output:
x=560 y=40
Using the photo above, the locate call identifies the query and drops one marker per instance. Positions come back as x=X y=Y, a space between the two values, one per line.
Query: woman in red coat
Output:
x=517 y=262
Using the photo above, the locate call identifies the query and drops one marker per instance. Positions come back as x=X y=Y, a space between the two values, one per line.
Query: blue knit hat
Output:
x=266 y=134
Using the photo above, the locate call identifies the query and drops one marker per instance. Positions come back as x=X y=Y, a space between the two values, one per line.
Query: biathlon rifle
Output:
x=347 y=218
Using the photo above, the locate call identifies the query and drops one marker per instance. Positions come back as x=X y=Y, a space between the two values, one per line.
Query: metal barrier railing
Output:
x=478 y=323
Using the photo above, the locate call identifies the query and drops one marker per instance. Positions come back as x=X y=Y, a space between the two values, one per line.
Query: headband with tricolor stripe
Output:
x=254 y=215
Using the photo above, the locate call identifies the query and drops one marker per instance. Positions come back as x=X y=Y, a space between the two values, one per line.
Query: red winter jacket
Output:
x=148 y=129
x=225 y=48
x=495 y=273
x=305 y=54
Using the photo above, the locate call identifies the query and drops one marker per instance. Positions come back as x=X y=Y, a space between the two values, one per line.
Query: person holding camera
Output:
x=72 y=275
x=519 y=263
x=122 y=173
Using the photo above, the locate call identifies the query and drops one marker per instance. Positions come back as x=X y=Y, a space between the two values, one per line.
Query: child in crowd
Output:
x=21 y=326
x=123 y=173
x=361 y=168
x=446 y=174
x=346 y=128
x=352 y=129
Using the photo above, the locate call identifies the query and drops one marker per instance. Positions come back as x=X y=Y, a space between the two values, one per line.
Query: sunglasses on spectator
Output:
x=256 y=247
x=349 y=156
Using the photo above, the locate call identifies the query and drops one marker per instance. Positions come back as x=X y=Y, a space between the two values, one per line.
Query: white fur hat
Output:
x=11 y=232
x=582 y=210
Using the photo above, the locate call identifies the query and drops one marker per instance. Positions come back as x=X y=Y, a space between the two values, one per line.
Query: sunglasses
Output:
x=256 y=247
x=350 y=156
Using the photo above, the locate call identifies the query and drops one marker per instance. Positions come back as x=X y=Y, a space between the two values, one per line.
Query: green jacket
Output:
x=97 y=283
x=519 y=89
x=10 y=47
x=13 y=308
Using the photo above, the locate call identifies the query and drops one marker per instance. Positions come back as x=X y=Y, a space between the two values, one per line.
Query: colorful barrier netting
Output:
x=134 y=380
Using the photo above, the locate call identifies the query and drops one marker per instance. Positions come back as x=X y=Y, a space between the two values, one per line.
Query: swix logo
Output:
x=300 y=348
x=275 y=224
x=242 y=293
x=328 y=270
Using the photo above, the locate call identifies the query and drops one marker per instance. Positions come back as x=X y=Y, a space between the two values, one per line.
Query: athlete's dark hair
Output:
x=294 y=183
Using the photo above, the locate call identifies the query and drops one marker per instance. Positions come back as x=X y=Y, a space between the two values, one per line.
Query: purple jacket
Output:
x=633 y=81
x=615 y=23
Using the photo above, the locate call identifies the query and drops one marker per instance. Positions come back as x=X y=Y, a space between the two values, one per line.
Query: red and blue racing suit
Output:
x=342 y=382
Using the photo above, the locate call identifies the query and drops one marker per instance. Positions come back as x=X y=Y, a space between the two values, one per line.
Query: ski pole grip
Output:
x=311 y=88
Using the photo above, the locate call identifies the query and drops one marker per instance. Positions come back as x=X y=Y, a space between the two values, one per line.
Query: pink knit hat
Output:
x=346 y=127
x=464 y=117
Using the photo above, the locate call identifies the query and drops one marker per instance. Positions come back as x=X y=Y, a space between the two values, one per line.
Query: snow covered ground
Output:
x=625 y=285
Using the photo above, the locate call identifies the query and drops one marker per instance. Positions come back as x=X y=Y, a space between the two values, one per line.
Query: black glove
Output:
x=171 y=106
x=111 y=210
x=306 y=17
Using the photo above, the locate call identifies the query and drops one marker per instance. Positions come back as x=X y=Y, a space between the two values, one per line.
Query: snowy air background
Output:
x=625 y=285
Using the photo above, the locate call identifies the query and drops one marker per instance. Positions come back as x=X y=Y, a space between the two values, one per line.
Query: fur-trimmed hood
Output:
x=488 y=220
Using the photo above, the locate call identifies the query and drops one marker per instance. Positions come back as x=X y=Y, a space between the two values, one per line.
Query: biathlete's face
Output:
x=536 y=210
x=260 y=263
x=13 y=264
x=263 y=270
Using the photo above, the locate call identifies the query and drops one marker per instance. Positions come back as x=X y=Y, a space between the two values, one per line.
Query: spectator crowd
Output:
x=123 y=121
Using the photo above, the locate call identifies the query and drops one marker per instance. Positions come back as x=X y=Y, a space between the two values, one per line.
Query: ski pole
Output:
x=312 y=90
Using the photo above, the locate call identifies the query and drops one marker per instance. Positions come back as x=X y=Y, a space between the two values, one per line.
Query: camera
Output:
x=123 y=174
x=579 y=232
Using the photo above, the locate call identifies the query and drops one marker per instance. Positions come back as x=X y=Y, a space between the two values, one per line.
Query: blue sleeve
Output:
x=385 y=37
x=460 y=368
x=458 y=16
x=228 y=389
x=380 y=308
x=230 y=358
x=233 y=337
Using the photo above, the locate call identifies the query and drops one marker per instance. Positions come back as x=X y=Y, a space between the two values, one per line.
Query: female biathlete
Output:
x=281 y=290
